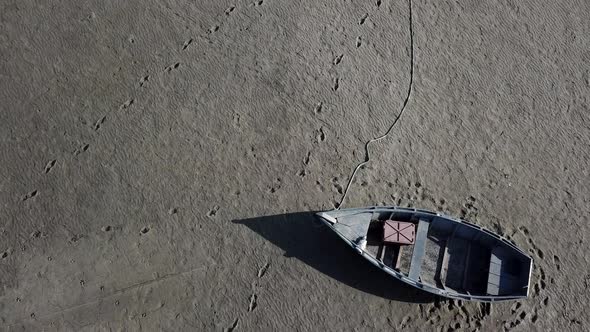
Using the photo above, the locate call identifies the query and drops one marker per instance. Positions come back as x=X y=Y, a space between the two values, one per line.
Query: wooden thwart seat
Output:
x=501 y=280
x=419 y=249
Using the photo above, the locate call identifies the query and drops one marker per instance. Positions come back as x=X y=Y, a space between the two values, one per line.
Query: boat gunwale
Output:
x=440 y=215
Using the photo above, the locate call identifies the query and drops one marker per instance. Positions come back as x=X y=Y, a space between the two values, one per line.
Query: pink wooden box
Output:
x=398 y=232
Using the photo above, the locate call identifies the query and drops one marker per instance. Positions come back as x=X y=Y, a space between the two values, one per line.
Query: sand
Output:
x=160 y=159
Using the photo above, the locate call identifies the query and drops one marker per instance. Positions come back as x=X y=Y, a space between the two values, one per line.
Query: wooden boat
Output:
x=439 y=254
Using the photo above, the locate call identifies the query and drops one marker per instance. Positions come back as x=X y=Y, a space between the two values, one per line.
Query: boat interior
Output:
x=444 y=253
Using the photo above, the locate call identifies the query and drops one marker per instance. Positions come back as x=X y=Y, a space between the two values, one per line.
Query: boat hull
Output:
x=330 y=219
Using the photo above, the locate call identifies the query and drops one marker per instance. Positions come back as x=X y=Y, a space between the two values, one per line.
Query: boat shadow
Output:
x=301 y=235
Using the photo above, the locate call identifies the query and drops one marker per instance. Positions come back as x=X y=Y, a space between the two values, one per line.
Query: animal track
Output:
x=213 y=29
x=172 y=67
x=213 y=211
x=335 y=84
x=4 y=254
x=30 y=195
x=337 y=59
x=258 y=3
x=144 y=230
x=359 y=41
x=172 y=211
x=49 y=166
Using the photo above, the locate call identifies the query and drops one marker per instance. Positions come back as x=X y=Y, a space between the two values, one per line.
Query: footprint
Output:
x=173 y=211
x=337 y=59
x=515 y=307
x=253 y=302
x=359 y=41
x=99 y=122
x=318 y=108
x=81 y=149
x=397 y=201
x=49 y=166
x=126 y=104
x=302 y=173
x=262 y=270
x=306 y=159
x=144 y=230
x=4 y=255
x=107 y=228
x=186 y=44
x=172 y=67
x=542 y=272
x=320 y=186
x=276 y=186
x=258 y=3
x=557 y=262
x=233 y=326
x=337 y=186
x=145 y=79
x=230 y=10
x=30 y=195
x=405 y=321
x=213 y=211
x=335 y=84
x=236 y=120
x=523 y=230
x=363 y=19
x=213 y=29
x=378 y=3
x=321 y=136
x=534 y=316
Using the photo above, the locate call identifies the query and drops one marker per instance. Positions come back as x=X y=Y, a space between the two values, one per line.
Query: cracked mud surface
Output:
x=158 y=156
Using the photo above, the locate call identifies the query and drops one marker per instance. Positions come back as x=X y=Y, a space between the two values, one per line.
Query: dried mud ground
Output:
x=160 y=158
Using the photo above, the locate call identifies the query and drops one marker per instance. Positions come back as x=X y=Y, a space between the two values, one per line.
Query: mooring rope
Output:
x=410 y=85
